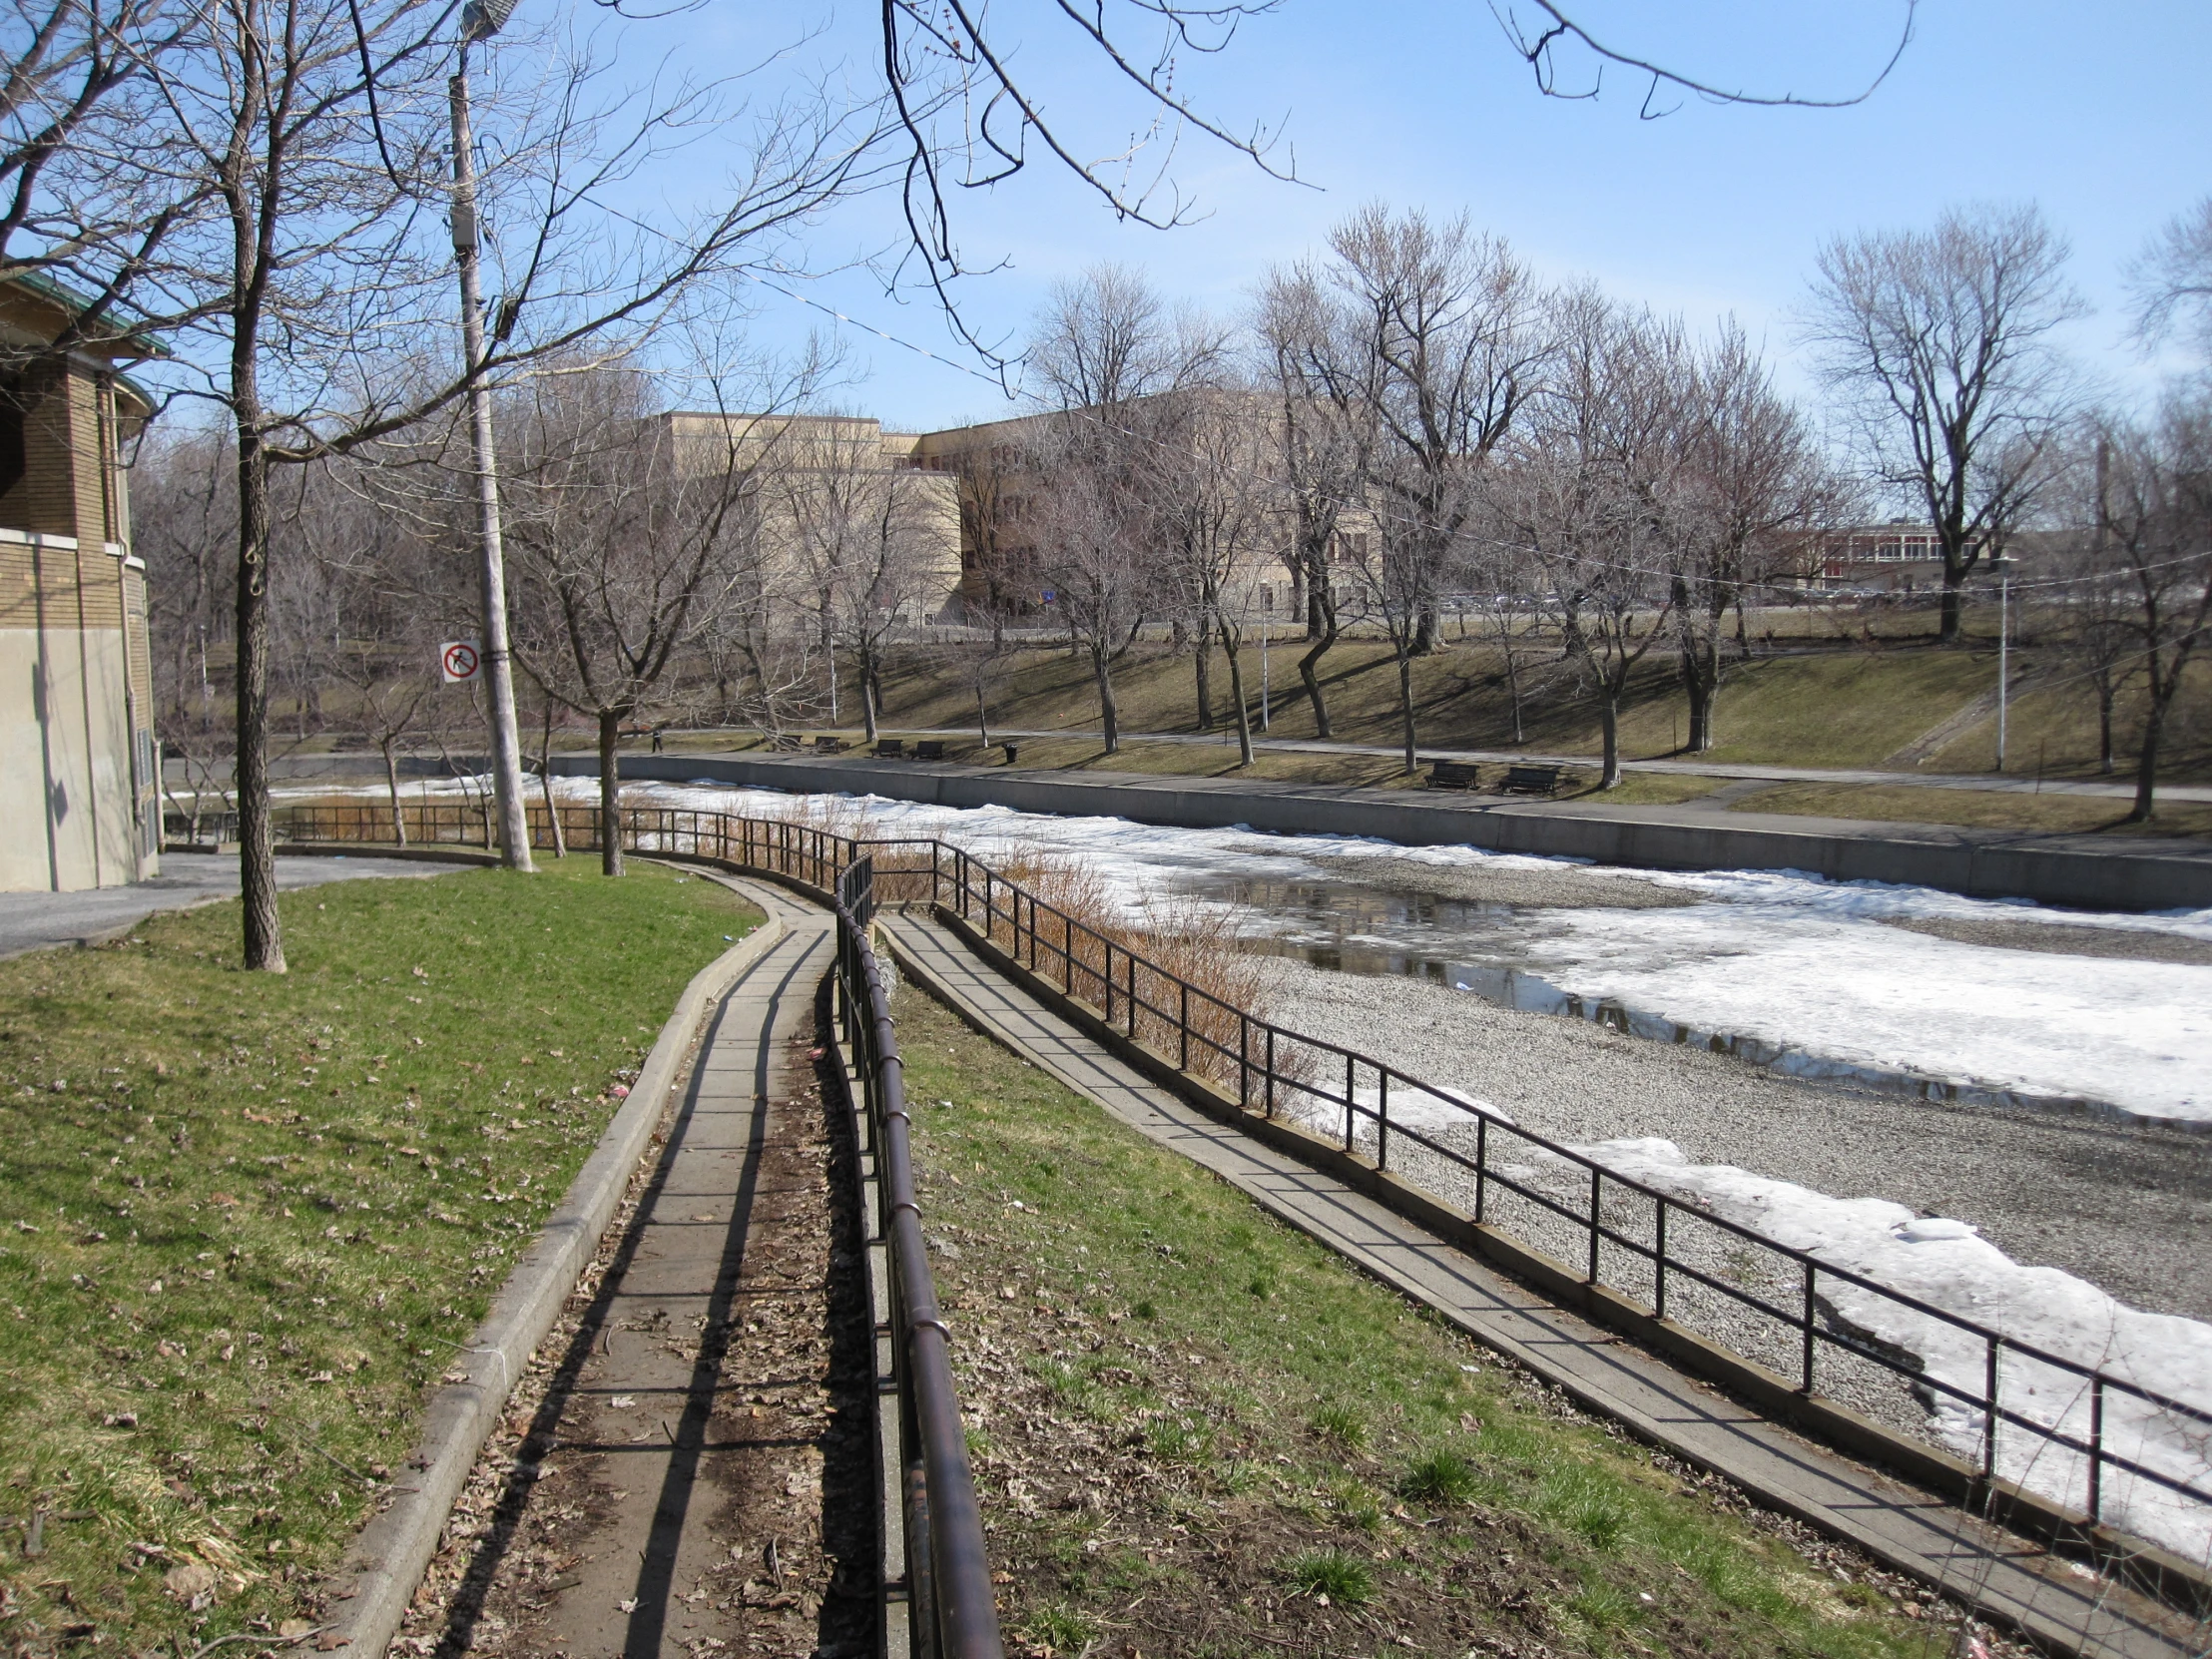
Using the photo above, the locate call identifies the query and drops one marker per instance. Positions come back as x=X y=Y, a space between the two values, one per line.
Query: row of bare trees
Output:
x=1410 y=420
x=702 y=566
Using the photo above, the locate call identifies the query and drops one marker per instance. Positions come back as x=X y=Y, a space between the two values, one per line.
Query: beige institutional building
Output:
x=79 y=766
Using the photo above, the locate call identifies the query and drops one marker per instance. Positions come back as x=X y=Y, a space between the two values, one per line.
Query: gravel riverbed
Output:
x=2125 y=1208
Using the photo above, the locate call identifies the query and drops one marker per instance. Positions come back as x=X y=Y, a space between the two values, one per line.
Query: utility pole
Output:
x=2003 y=564
x=480 y=20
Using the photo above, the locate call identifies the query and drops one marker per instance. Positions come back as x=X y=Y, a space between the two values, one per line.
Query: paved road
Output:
x=2002 y=783
x=1905 y=1528
x=35 y=920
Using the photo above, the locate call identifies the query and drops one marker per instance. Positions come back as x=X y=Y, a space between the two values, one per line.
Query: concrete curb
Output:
x=378 y=1577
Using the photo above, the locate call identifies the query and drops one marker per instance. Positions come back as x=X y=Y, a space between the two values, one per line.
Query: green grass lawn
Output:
x=249 y=1218
x=1197 y=1432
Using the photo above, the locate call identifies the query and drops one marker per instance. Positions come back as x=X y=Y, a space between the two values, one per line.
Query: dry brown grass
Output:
x=1173 y=966
x=1055 y=913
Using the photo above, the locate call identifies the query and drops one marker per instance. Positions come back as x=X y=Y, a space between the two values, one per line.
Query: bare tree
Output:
x=1218 y=521
x=865 y=537
x=1943 y=343
x=1323 y=444
x=630 y=533
x=1105 y=347
x=309 y=138
x=1509 y=587
x=1593 y=488
x=1447 y=341
x=2154 y=524
x=1756 y=485
x=2093 y=593
x=2170 y=280
x=187 y=532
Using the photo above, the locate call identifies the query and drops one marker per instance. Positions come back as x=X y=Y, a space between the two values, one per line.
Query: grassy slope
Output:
x=1189 y=1420
x=256 y=1214
x=1975 y=808
x=1836 y=708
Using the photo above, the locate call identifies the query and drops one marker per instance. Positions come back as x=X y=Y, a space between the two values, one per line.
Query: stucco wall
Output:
x=67 y=818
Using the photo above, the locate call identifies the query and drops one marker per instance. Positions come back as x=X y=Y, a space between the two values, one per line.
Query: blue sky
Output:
x=2099 y=113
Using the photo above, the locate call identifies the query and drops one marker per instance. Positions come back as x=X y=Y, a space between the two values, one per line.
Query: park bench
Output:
x=787 y=743
x=1529 y=781
x=1454 y=774
x=890 y=748
x=829 y=746
x=929 y=749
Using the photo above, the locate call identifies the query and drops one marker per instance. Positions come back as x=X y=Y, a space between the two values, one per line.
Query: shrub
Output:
x=1342 y=1423
x=1331 y=1576
x=1439 y=1477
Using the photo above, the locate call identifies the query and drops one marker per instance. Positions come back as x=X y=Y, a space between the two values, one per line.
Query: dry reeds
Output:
x=1174 y=975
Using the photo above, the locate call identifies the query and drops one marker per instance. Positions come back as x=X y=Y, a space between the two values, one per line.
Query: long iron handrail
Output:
x=816 y=857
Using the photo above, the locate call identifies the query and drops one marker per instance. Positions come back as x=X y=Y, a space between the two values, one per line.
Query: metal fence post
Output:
x=1805 y=1320
x=1482 y=1166
x=1184 y=1026
x=1597 y=1176
x=1989 y=1412
x=1659 y=1257
x=2096 y=1449
x=1383 y=1120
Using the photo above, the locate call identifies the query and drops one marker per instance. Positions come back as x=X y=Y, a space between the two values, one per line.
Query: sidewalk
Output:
x=35 y=920
x=2052 y=1603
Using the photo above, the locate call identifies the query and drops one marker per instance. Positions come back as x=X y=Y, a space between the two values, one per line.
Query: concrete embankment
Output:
x=2075 y=870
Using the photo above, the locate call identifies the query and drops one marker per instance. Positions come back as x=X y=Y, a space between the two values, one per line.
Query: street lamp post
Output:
x=480 y=20
x=2002 y=565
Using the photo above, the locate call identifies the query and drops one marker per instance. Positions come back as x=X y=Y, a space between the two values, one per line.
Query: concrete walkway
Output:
x=2010 y=1579
x=655 y=1469
x=36 y=921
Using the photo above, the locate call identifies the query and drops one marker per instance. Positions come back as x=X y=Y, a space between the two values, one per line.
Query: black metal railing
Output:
x=952 y=1611
x=1767 y=1301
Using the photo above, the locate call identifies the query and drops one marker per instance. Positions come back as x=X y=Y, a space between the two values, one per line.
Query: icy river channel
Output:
x=2003 y=1109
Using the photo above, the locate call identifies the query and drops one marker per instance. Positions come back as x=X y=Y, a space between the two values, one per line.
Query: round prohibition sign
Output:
x=460 y=661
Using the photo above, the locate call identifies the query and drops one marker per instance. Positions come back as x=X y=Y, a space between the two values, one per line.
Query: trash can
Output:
x=1013 y=754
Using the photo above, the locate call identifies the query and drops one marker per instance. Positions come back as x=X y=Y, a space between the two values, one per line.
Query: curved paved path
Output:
x=694 y=1481
x=2049 y=1600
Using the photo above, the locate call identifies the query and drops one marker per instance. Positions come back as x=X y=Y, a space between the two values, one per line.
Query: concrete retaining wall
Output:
x=1982 y=865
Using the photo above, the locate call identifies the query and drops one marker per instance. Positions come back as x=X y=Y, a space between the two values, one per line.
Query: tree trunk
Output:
x=1202 y=670
x=1309 y=673
x=1109 y=716
x=1708 y=739
x=1609 y=720
x=391 y=783
x=2146 y=760
x=610 y=794
x=1236 y=696
x=545 y=782
x=870 y=691
x=2104 y=721
x=1405 y=699
x=982 y=713
x=1424 y=628
x=1700 y=696
x=1953 y=614
x=263 y=933
x=1513 y=677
